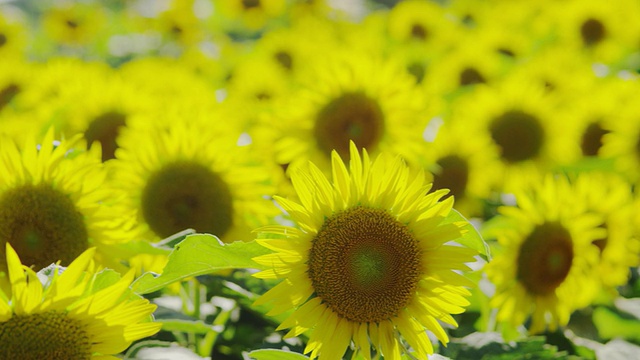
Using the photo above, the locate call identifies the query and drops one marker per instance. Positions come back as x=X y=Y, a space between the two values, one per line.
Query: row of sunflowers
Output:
x=186 y=179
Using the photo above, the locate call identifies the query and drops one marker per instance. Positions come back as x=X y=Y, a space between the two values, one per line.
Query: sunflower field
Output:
x=330 y=179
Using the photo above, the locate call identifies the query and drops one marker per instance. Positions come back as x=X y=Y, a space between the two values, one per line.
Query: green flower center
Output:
x=105 y=129
x=364 y=264
x=49 y=335
x=8 y=93
x=592 y=139
x=186 y=195
x=545 y=258
x=352 y=116
x=42 y=224
x=453 y=175
x=592 y=31
x=519 y=135
x=470 y=76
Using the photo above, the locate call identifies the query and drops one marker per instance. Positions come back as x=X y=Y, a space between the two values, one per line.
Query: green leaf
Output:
x=471 y=237
x=104 y=279
x=275 y=354
x=201 y=254
x=190 y=327
x=611 y=325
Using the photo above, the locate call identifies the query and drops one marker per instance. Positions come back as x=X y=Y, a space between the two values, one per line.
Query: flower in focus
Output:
x=371 y=261
x=73 y=316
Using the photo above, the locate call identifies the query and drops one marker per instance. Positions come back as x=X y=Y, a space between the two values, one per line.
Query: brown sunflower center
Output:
x=105 y=129
x=592 y=139
x=470 y=76
x=186 y=195
x=419 y=32
x=42 y=224
x=284 y=59
x=49 y=335
x=545 y=258
x=418 y=70
x=72 y=24
x=249 y=4
x=453 y=175
x=8 y=93
x=3 y=39
x=592 y=31
x=364 y=264
x=519 y=135
x=352 y=116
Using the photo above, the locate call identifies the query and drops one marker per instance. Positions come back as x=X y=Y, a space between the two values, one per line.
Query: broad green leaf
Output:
x=201 y=254
x=104 y=278
x=275 y=354
x=471 y=238
x=191 y=327
x=611 y=325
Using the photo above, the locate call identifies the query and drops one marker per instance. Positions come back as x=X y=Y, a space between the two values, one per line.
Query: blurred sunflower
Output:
x=609 y=196
x=13 y=36
x=192 y=175
x=74 y=23
x=548 y=265
x=355 y=96
x=73 y=316
x=604 y=32
x=622 y=142
x=55 y=202
x=251 y=15
x=459 y=163
x=15 y=77
x=368 y=262
x=99 y=108
x=424 y=22
x=519 y=123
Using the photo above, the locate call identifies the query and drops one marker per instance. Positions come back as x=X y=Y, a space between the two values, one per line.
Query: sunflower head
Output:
x=370 y=260
x=70 y=316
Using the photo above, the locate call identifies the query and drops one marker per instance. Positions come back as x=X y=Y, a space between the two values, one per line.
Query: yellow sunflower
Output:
x=355 y=96
x=12 y=36
x=55 y=202
x=459 y=163
x=72 y=316
x=371 y=261
x=424 y=22
x=74 y=23
x=604 y=32
x=547 y=266
x=519 y=122
x=98 y=108
x=249 y=15
x=192 y=176
x=609 y=196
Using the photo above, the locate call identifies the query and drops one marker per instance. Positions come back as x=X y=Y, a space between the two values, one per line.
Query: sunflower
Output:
x=73 y=316
x=605 y=33
x=424 y=22
x=370 y=261
x=459 y=163
x=192 y=176
x=74 y=23
x=547 y=267
x=518 y=122
x=98 y=108
x=609 y=196
x=12 y=37
x=251 y=15
x=55 y=202
x=349 y=96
